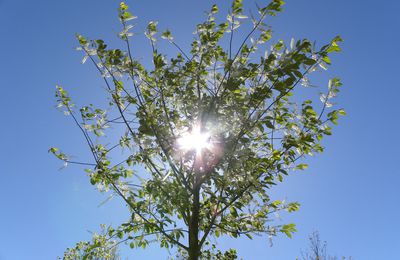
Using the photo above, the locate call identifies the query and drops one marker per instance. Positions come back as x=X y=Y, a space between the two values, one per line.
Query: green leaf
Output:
x=123 y=6
x=237 y=7
x=334 y=47
x=234 y=212
x=266 y=36
x=276 y=203
x=214 y=9
x=294 y=206
x=127 y=16
x=152 y=27
x=249 y=236
x=289 y=229
x=327 y=60
x=302 y=166
x=53 y=150
x=241 y=16
x=167 y=35
x=274 y=7
x=82 y=40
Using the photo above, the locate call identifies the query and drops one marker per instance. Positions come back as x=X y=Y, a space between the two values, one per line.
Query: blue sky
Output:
x=349 y=193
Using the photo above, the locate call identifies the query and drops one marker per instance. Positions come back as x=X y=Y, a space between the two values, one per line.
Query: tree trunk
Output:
x=194 y=250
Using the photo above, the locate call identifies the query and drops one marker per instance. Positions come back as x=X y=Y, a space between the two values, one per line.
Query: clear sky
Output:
x=350 y=193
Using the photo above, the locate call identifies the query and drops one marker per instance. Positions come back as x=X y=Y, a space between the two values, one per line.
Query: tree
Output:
x=317 y=249
x=206 y=133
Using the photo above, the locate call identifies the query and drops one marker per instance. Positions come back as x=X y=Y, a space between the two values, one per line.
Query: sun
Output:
x=194 y=140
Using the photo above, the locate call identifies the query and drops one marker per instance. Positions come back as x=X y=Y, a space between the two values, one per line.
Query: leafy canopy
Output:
x=244 y=126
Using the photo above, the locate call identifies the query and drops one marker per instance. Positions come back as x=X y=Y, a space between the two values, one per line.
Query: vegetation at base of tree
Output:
x=246 y=97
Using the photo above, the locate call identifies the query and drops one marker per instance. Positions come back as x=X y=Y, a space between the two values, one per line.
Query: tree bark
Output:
x=194 y=250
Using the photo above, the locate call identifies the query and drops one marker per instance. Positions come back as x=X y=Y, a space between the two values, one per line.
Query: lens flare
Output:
x=195 y=140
